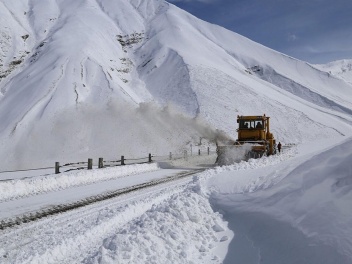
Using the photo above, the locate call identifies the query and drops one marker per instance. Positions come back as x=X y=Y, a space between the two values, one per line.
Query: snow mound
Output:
x=305 y=208
x=14 y=189
x=182 y=229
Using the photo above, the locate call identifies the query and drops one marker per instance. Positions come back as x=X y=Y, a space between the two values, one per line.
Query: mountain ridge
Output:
x=340 y=68
x=109 y=60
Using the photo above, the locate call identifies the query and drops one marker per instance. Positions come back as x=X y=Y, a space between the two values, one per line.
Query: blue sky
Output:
x=316 y=31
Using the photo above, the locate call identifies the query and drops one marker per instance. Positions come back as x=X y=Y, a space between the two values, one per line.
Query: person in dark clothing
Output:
x=279 y=147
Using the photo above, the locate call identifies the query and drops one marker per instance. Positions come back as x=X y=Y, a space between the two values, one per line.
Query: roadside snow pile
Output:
x=254 y=163
x=18 y=188
x=172 y=224
x=308 y=212
x=182 y=229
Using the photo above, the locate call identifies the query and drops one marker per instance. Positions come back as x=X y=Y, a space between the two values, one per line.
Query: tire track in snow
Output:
x=33 y=216
x=61 y=237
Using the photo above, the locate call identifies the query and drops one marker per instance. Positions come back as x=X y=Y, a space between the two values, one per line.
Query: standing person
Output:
x=279 y=147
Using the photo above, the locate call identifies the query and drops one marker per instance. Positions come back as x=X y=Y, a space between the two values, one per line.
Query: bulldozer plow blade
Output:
x=254 y=154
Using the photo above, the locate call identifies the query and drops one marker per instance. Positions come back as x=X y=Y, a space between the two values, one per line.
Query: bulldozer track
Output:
x=62 y=208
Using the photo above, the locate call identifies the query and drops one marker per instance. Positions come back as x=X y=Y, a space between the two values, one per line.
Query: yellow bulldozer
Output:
x=254 y=140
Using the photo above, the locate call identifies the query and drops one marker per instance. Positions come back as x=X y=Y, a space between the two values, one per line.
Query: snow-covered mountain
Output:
x=106 y=78
x=340 y=68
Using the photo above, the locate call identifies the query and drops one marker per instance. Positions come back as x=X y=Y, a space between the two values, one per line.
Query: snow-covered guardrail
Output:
x=46 y=171
x=18 y=188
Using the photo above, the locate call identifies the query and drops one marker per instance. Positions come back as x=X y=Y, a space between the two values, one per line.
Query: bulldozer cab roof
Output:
x=252 y=117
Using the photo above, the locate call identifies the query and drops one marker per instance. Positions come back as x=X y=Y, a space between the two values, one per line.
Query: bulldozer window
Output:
x=259 y=124
x=244 y=124
x=251 y=124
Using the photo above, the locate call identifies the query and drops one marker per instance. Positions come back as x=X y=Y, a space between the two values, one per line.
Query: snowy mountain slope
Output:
x=223 y=47
x=75 y=78
x=340 y=68
x=73 y=57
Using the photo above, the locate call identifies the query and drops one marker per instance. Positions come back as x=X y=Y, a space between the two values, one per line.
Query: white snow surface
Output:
x=340 y=68
x=17 y=188
x=297 y=212
x=293 y=207
x=99 y=78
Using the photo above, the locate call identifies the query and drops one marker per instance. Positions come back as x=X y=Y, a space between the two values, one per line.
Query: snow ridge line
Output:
x=251 y=164
x=255 y=163
x=30 y=217
x=19 y=188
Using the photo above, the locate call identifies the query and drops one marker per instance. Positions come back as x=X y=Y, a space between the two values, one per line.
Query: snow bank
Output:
x=15 y=189
x=253 y=163
x=308 y=210
x=169 y=223
x=182 y=229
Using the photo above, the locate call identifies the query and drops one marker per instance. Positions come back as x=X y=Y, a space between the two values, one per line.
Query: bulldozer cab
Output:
x=252 y=128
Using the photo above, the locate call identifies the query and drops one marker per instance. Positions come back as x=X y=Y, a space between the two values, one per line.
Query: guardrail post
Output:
x=100 y=164
x=90 y=164
x=170 y=156
x=150 y=158
x=57 y=167
x=122 y=160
